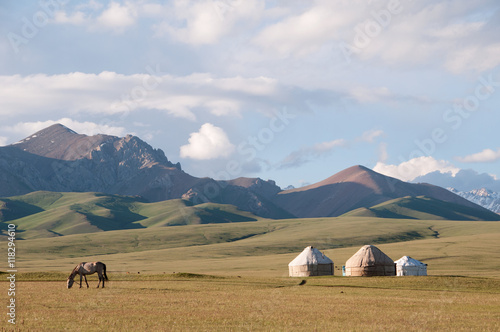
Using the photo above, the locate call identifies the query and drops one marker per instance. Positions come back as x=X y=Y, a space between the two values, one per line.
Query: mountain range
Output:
x=57 y=159
x=486 y=198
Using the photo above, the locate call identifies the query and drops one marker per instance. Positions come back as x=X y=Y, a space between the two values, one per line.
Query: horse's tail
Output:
x=104 y=271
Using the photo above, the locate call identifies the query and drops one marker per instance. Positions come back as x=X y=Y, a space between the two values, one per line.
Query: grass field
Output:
x=264 y=248
x=234 y=276
x=184 y=302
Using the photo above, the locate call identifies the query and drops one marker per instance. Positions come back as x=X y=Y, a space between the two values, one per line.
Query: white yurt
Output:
x=407 y=266
x=370 y=261
x=310 y=262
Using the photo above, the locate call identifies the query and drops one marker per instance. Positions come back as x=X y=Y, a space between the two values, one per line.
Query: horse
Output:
x=88 y=268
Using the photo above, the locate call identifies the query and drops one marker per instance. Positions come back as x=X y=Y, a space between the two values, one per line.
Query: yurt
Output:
x=310 y=262
x=407 y=266
x=370 y=261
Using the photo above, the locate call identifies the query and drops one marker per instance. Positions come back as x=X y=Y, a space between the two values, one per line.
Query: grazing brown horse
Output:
x=88 y=268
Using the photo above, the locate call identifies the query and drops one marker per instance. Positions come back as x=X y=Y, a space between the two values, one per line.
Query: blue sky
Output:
x=293 y=91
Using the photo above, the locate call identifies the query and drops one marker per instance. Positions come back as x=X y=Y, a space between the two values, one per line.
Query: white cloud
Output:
x=474 y=57
x=455 y=35
x=370 y=135
x=111 y=93
x=304 y=155
x=3 y=140
x=487 y=155
x=77 y=18
x=24 y=129
x=456 y=30
x=209 y=142
x=327 y=146
x=370 y=95
x=308 y=31
x=118 y=17
x=206 y=22
x=224 y=107
x=416 y=167
x=382 y=152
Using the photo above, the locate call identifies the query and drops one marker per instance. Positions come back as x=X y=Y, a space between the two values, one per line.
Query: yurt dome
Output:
x=310 y=262
x=370 y=261
x=407 y=266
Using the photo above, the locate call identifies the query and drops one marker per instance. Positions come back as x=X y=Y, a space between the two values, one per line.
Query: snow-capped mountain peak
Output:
x=483 y=196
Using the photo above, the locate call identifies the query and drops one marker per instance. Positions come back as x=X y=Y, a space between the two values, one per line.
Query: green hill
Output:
x=423 y=208
x=48 y=214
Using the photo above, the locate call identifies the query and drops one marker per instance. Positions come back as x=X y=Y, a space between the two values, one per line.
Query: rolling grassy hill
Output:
x=422 y=207
x=49 y=214
x=130 y=235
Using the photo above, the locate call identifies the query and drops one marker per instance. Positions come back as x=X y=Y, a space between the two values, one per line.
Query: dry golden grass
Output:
x=263 y=298
x=172 y=303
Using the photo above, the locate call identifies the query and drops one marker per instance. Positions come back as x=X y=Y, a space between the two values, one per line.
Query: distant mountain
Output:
x=357 y=187
x=423 y=208
x=57 y=159
x=60 y=160
x=483 y=197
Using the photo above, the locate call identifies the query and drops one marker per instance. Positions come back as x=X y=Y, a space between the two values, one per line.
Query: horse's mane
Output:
x=75 y=270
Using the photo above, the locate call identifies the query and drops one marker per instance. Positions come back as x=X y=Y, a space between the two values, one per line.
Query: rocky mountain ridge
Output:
x=59 y=159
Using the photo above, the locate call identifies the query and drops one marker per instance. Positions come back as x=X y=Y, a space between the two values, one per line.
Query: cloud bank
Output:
x=439 y=172
x=112 y=93
x=411 y=169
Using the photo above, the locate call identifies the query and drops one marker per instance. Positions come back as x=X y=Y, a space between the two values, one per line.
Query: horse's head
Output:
x=70 y=282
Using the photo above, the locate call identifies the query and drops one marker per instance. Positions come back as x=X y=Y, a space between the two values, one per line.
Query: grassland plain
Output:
x=265 y=247
x=187 y=302
x=249 y=288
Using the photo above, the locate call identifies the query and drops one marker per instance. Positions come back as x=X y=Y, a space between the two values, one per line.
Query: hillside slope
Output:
x=423 y=208
x=48 y=214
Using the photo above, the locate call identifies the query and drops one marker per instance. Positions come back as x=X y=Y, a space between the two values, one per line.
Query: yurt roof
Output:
x=310 y=256
x=369 y=256
x=408 y=261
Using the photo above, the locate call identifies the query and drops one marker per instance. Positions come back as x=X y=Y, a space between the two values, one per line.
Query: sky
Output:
x=294 y=91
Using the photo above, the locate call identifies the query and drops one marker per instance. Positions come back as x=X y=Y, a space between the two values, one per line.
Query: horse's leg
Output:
x=99 y=275
x=86 y=280
x=80 y=281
